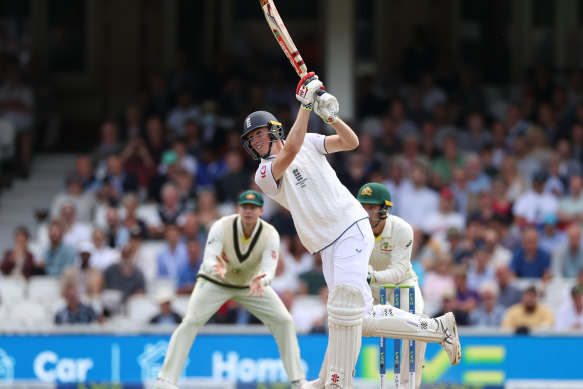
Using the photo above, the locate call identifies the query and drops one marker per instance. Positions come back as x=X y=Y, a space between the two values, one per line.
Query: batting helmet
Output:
x=378 y=194
x=257 y=120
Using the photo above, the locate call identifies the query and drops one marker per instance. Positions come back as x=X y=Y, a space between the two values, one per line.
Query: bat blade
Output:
x=282 y=36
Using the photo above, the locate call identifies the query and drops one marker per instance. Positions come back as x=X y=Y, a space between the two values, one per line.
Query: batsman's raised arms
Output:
x=282 y=36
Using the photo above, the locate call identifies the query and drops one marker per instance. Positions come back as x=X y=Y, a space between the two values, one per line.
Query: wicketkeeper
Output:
x=328 y=219
x=239 y=264
x=390 y=261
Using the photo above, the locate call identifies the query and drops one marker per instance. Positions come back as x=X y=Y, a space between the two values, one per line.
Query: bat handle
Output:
x=320 y=92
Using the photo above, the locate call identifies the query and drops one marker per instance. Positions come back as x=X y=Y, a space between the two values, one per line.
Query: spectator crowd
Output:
x=490 y=178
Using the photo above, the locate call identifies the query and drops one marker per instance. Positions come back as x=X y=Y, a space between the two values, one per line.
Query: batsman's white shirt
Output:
x=321 y=207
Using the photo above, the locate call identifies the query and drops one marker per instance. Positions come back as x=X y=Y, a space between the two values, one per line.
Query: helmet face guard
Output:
x=384 y=213
x=257 y=120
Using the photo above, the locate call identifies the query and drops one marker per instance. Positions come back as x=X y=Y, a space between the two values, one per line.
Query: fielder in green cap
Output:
x=250 y=197
x=390 y=261
x=240 y=258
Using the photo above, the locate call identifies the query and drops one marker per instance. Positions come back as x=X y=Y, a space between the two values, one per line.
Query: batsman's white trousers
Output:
x=346 y=260
x=207 y=297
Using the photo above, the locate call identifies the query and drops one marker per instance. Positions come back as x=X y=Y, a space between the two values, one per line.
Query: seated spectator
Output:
x=85 y=172
x=102 y=256
x=449 y=303
x=185 y=110
x=125 y=278
x=508 y=294
x=173 y=254
x=136 y=160
x=284 y=280
x=130 y=219
x=188 y=270
x=283 y=223
x=191 y=229
x=571 y=206
x=109 y=144
x=481 y=270
x=467 y=299
x=235 y=181
x=438 y=281
x=171 y=209
x=75 y=312
x=551 y=238
x=186 y=161
x=17 y=106
x=417 y=199
x=88 y=279
x=568 y=260
x=570 y=312
x=478 y=181
x=452 y=157
x=142 y=257
x=457 y=246
x=206 y=209
x=116 y=182
x=184 y=183
x=501 y=204
x=530 y=261
x=58 y=255
x=74 y=231
x=299 y=259
x=516 y=184
x=166 y=316
x=437 y=223
x=84 y=202
x=19 y=261
x=116 y=234
x=531 y=207
x=311 y=281
x=498 y=254
x=528 y=314
x=489 y=312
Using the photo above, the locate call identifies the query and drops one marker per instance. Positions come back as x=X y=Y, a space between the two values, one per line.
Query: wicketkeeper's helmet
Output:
x=256 y=120
x=378 y=194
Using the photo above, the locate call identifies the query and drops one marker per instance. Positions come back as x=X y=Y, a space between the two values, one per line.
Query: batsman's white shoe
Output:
x=163 y=383
x=318 y=383
x=451 y=343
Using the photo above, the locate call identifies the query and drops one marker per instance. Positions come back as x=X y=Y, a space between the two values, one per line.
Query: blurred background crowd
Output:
x=490 y=178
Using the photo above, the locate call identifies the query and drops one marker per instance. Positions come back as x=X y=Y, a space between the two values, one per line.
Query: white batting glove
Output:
x=371 y=279
x=306 y=88
x=326 y=106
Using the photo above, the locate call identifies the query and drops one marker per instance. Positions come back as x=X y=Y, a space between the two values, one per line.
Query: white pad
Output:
x=390 y=326
x=345 y=312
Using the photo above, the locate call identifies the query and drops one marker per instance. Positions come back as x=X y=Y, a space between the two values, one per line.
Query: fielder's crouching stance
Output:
x=239 y=264
x=390 y=262
x=329 y=220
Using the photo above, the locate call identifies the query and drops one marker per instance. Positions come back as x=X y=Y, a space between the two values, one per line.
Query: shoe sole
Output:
x=455 y=335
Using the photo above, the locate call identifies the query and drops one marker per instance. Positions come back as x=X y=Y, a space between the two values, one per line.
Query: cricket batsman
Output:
x=390 y=261
x=295 y=172
x=239 y=264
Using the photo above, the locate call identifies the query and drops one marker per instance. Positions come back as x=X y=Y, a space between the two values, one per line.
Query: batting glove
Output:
x=306 y=89
x=326 y=106
x=371 y=278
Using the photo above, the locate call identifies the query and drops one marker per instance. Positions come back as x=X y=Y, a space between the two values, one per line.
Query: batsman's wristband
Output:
x=307 y=107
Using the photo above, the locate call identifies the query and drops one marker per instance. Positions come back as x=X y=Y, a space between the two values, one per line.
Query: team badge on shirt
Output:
x=386 y=247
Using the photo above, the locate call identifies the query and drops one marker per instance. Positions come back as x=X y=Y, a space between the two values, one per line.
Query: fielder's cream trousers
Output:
x=207 y=297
